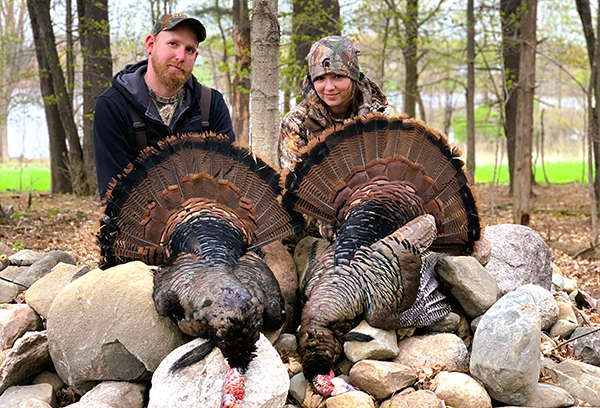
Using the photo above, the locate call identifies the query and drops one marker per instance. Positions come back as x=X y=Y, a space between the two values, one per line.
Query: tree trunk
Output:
x=70 y=54
x=313 y=20
x=471 y=88
x=523 y=145
x=265 y=79
x=411 y=27
x=15 y=62
x=509 y=10
x=241 y=77
x=59 y=170
x=97 y=71
x=39 y=10
x=585 y=14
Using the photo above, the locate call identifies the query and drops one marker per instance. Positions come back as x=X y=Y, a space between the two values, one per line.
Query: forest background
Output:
x=511 y=82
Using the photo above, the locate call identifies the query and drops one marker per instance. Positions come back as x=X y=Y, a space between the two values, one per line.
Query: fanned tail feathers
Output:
x=378 y=147
x=193 y=172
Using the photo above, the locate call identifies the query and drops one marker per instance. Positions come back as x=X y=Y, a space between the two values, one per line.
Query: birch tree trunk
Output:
x=471 y=88
x=264 y=116
x=523 y=145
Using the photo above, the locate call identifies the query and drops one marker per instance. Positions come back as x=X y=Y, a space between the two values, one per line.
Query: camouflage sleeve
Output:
x=293 y=136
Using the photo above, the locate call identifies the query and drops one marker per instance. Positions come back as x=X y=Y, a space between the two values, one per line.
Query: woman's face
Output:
x=334 y=89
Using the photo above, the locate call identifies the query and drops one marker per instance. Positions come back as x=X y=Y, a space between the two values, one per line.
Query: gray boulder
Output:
x=200 y=385
x=15 y=320
x=519 y=256
x=579 y=379
x=43 y=266
x=445 y=350
x=42 y=293
x=506 y=348
x=104 y=327
x=587 y=347
x=545 y=302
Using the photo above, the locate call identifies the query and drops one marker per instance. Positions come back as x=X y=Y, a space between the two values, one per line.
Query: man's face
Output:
x=173 y=54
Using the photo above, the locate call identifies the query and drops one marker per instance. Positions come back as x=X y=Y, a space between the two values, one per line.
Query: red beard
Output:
x=169 y=78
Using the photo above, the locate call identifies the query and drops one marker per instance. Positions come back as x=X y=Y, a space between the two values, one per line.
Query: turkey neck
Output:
x=213 y=238
x=369 y=221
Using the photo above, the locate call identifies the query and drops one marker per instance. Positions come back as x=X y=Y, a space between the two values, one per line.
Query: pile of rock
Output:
x=94 y=337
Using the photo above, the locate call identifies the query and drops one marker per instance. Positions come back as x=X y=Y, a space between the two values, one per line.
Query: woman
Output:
x=334 y=90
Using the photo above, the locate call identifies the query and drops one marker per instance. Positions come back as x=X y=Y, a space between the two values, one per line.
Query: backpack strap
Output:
x=205 y=97
x=139 y=127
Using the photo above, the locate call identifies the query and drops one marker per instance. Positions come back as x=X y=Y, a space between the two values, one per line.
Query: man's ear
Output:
x=149 y=43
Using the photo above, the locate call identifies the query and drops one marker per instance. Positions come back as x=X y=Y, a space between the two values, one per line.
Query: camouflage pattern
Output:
x=294 y=134
x=334 y=55
x=168 y=21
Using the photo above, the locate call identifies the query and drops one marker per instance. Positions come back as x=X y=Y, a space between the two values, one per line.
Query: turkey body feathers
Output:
x=196 y=205
x=387 y=189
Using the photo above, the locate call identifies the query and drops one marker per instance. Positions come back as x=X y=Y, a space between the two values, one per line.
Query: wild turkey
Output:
x=384 y=189
x=196 y=206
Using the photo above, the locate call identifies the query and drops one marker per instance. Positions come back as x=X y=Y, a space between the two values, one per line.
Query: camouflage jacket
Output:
x=308 y=119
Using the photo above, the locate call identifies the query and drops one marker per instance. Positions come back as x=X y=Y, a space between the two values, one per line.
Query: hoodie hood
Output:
x=131 y=84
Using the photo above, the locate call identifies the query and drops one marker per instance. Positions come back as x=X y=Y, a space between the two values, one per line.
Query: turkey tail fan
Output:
x=203 y=172
x=366 y=149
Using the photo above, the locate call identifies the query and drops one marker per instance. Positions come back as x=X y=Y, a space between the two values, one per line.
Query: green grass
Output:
x=37 y=177
x=24 y=178
x=557 y=172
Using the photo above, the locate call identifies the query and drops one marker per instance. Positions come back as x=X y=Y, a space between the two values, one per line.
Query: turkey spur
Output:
x=196 y=206
x=386 y=191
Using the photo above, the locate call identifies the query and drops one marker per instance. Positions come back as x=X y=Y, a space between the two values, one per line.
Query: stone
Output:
x=303 y=251
x=90 y=404
x=200 y=384
x=47 y=377
x=354 y=399
x=566 y=312
x=580 y=380
x=445 y=350
x=447 y=324
x=117 y=394
x=43 y=266
x=15 y=320
x=298 y=384
x=381 y=378
x=460 y=390
x=286 y=343
x=557 y=280
x=519 y=256
x=8 y=291
x=549 y=396
x=562 y=328
x=282 y=265
x=5 y=249
x=417 y=399
x=42 y=293
x=506 y=348
x=546 y=304
x=569 y=285
x=28 y=357
x=104 y=327
x=383 y=345
x=25 y=257
x=482 y=251
x=587 y=347
x=470 y=283
x=21 y=396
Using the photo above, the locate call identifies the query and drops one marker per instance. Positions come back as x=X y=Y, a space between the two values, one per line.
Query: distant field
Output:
x=557 y=172
x=37 y=177
x=30 y=177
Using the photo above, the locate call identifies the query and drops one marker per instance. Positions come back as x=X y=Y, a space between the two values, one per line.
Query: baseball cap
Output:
x=169 y=21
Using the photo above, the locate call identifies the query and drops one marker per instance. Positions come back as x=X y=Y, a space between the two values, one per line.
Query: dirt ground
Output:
x=45 y=222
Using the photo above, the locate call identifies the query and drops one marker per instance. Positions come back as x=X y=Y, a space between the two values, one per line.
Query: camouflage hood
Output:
x=310 y=117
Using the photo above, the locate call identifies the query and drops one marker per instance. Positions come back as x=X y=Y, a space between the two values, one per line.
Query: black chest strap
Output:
x=139 y=126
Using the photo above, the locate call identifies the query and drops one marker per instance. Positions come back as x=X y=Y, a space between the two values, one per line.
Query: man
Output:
x=159 y=95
